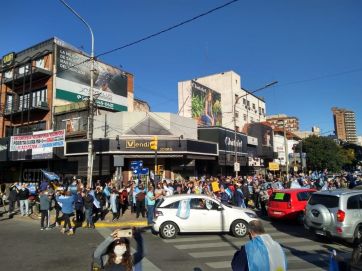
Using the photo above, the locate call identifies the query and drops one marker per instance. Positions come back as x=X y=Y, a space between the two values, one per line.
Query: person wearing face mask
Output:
x=261 y=253
x=114 y=253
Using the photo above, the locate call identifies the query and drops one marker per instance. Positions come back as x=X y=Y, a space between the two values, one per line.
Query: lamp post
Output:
x=286 y=151
x=234 y=110
x=91 y=102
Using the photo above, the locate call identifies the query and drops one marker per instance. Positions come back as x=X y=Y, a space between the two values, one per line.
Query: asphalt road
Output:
x=25 y=247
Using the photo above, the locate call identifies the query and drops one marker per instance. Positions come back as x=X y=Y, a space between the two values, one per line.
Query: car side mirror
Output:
x=220 y=208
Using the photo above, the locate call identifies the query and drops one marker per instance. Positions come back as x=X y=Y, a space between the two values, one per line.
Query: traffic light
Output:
x=153 y=143
x=160 y=169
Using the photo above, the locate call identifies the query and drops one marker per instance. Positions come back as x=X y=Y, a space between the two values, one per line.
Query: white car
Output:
x=203 y=214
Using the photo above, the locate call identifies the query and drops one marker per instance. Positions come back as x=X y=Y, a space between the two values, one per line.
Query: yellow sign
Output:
x=8 y=59
x=215 y=187
x=273 y=166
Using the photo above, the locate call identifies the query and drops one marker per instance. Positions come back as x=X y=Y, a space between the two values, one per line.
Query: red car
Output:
x=289 y=203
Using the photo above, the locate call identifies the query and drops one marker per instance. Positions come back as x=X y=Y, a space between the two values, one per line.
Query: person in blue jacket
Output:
x=66 y=202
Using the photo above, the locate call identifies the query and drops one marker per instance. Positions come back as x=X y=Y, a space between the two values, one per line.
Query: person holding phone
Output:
x=114 y=253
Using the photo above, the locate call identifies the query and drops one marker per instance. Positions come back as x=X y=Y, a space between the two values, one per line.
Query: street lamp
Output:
x=285 y=148
x=91 y=113
x=236 y=166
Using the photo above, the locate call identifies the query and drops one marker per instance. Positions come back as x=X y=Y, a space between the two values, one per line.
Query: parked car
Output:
x=199 y=213
x=289 y=203
x=335 y=213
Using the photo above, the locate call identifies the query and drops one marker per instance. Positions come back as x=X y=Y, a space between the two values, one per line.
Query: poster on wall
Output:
x=37 y=142
x=73 y=80
x=205 y=105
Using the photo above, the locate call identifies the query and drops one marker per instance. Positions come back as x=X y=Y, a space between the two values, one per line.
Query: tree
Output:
x=324 y=153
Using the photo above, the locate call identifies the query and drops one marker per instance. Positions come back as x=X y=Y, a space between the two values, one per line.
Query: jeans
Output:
x=24 y=203
x=67 y=221
x=44 y=216
x=88 y=216
x=140 y=208
x=150 y=212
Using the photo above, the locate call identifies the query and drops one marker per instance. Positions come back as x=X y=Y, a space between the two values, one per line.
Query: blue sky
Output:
x=291 y=41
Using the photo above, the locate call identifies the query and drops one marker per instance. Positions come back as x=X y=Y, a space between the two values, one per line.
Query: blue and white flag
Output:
x=183 y=210
x=264 y=253
x=50 y=175
x=96 y=203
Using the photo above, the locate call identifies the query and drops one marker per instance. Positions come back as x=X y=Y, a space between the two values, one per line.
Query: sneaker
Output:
x=42 y=229
x=48 y=228
x=70 y=232
x=62 y=230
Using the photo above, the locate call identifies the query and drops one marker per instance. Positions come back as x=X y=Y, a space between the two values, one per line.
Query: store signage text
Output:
x=8 y=59
x=133 y=144
x=231 y=142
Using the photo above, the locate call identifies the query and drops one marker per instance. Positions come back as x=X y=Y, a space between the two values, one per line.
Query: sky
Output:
x=311 y=47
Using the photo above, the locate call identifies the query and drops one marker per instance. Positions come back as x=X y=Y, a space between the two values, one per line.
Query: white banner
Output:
x=38 y=141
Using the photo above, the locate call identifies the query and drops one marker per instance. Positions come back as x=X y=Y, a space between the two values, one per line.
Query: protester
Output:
x=123 y=201
x=113 y=199
x=140 y=201
x=261 y=253
x=12 y=198
x=23 y=195
x=79 y=206
x=67 y=209
x=150 y=199
x=45 y=201
x=101 y=202
x=114 y=253
x=88 y=208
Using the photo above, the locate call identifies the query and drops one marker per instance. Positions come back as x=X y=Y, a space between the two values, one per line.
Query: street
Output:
x=25 y=247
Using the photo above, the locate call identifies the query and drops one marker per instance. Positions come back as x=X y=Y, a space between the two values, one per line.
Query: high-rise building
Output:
x=344 y=124
x=291 y=123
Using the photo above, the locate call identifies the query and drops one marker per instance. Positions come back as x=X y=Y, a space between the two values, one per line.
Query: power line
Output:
x=168 y=29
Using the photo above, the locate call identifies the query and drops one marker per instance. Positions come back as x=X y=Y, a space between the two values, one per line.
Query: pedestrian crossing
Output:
x=216 y=251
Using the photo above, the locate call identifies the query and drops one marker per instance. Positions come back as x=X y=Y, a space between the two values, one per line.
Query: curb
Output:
x=121 y=224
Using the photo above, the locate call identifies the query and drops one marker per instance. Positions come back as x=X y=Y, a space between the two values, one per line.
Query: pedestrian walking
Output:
x=45 y=201
x=114 y=253
x=88 y=208
x=261 y=253
x=79 y=208
x=140 y=201
x=101 y=200
x=150 y=199
x=67 y=209
x=23 y=196
x=123 y=200
x=113 y=199
x=13 y=197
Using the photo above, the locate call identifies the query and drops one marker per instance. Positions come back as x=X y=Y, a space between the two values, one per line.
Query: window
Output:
x=254 y=106
x=198 y=203
x=279 y=196
x=259 y=110
x=173 y=205
x=26 y=129
x=211 y=205
x=262 y=110
x=9 y=74
x=9 y=103
x=248 y=103
x=244 y=101
x=236 y=114
x=326 y=200
x=353 y=202
x=244 y=117
x=303 y=196
x=24 y=69
x=40 y=63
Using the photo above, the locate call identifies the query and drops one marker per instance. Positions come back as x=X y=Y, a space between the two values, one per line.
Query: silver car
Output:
x=335 y=213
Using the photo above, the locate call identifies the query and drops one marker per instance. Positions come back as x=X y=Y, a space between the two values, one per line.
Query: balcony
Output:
x=40 y=106
x=19 y=78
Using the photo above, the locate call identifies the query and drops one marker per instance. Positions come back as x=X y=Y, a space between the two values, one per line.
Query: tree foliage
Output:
x=324 y=153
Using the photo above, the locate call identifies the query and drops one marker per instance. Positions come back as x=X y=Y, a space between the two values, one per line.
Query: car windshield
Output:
x=327 y=200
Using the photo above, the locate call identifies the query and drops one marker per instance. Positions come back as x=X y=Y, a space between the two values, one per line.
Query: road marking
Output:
x=193 y=239
x=218 y=265
x=207 y=245
x=145 y=263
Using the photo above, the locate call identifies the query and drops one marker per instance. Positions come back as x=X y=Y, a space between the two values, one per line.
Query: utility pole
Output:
x=286 y=151
x=91 y=101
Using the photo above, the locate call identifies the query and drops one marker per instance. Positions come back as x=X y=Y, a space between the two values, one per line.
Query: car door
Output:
x=204 y=216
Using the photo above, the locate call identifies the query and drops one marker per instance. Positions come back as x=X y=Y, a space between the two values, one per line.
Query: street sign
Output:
x=144 y=171
x=236 y=166
x=136 y=164
x=273 y=166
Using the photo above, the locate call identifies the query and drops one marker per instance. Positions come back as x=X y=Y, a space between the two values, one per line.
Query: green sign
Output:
x=279 y=196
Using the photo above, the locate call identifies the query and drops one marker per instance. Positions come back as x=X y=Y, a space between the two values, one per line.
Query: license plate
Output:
x=277 y=213
x=320 y=232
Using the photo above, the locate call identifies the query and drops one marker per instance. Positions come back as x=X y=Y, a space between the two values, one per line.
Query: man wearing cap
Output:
x=261 y=253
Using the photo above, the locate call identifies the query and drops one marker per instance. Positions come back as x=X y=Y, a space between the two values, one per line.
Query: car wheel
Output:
x=357 y=236
x=239 y=228
x=168 y=230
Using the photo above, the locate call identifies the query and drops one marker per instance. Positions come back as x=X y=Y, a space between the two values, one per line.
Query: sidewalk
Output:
x=127 y=220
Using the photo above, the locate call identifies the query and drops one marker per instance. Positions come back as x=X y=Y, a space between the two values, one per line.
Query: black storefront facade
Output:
x=175 y=157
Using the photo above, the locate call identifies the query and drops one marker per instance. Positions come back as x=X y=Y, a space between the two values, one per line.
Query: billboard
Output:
x=37 y=142
x=264 y=135
x=73 y=80
x=205 y=105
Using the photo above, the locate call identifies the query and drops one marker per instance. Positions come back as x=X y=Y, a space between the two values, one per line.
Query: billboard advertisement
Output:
x=205 y=105
x=73 y=80
x=37 y=142
x=264 y=135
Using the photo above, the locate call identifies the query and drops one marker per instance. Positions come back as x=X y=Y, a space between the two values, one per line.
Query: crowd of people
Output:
x=87 y=205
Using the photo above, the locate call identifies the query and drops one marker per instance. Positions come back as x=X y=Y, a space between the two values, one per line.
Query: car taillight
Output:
x=289 y=205
x=340 y=215
x=158 y=213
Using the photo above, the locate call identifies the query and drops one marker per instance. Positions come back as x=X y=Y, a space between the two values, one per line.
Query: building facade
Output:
x=44 y=83
x=279 y=121
x=344 y=124
x=219 y=100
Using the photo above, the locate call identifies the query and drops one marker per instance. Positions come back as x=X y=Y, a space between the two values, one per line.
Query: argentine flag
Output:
x=183 y=210
x=264 y=254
